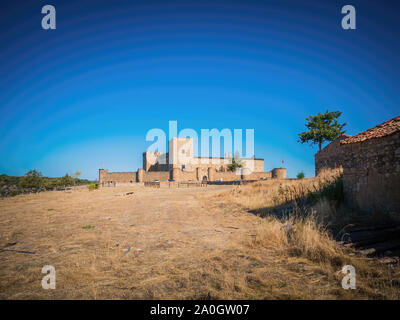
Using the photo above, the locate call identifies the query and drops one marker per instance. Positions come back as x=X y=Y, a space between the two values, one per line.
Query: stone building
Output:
x=330 y=157
x=371 y=166
x=180 y=164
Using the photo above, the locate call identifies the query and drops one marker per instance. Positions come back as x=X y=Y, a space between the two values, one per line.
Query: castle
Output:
x=180 y=164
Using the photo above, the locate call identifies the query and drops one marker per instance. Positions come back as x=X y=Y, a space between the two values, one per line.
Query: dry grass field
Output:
x=188 y=243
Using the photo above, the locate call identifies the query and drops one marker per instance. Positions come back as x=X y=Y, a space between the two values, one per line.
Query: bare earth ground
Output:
x=185 y=243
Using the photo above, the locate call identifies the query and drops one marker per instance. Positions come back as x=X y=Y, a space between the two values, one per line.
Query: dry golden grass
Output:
x=272 y=193
x=294 y=231
x=194 y=243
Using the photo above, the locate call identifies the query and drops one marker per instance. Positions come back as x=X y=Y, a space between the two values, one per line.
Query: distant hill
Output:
x=33 y=181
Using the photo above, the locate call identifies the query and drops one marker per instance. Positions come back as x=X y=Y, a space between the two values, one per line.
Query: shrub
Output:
x=300 y=175
x=93 y=186
x=67 y=180
x=32 y=180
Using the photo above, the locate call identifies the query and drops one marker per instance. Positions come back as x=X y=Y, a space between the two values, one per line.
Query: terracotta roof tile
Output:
x=384 y=129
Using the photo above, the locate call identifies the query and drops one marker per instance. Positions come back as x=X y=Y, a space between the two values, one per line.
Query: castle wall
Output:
x=201 y=173
x=119 y=178
x=258 y=175
x=122 y=178
x=114 y=178
x=226 y=176
x=179 y=175
x=150 y=176
x=231 y=176
x=221 y=164
x=371 y=173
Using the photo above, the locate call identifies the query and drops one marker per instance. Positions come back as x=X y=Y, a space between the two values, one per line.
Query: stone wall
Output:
x=231 y=176
x=115 y=178
x=108 y=179
x=150 y=176
x=258 y=176
x=220 y=164
x=112 y=179
x=330 y=157
x=371 y=173
x=227 y=176
x=182 y=175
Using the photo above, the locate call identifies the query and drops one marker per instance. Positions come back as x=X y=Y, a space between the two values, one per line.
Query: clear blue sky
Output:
x=84 y=95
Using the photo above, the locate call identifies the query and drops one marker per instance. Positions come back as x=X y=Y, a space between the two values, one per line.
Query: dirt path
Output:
x=183 y=243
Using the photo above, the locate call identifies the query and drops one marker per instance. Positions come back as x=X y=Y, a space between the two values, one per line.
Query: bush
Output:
x=67 y=180
x=93 y=186
x=32 y=180
x=300 y=175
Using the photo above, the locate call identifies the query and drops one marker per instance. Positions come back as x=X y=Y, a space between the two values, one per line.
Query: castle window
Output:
x=183 y=151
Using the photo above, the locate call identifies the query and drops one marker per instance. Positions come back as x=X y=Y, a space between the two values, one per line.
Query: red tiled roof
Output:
x=381 y=130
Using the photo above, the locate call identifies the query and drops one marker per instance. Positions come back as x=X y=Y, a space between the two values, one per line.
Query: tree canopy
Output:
x=322 y=127
x=31 y=179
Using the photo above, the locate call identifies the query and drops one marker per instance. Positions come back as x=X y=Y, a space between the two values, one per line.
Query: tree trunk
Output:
x=320 y=145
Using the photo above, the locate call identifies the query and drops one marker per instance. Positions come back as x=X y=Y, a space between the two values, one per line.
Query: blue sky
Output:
x=83 y=96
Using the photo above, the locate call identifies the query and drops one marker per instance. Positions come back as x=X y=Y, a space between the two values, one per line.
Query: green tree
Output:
x=32 y=179
x=236 y=163
x=300 y=175
x=67 y=180
x=322 y=127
